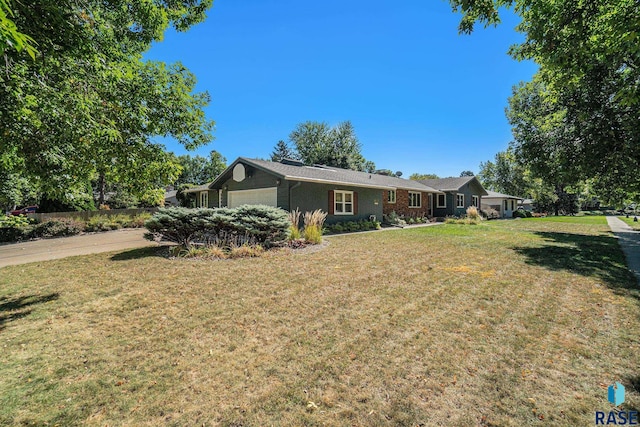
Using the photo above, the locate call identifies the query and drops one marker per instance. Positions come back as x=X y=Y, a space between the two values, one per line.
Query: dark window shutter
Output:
x=331 y=203
x=355 y=203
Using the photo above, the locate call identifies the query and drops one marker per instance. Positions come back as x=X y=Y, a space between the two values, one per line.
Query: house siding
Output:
x=452 y=208
x=497 y=203
x=256 y=179
x=401 y=206
x=311 y=196
x=213 y=199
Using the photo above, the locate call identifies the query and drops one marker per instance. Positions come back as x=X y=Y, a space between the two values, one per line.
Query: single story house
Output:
x=526 y=204
x=456 y=194
x=202 y=194
x=170 y=197
x=346 y=195
x=503 y=203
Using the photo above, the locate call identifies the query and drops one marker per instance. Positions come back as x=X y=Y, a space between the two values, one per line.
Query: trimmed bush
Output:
x=183 y=226
x=103 y=223
x=266 y=224
x=351 y=226
x=14 y=234
x=519 y=214
x=14 y=228
x=222 y=227
x=58 y=227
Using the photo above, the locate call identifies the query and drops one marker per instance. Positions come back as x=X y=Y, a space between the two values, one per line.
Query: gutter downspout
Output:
x=294 y=186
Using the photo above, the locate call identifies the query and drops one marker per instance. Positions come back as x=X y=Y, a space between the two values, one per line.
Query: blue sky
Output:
x=421 y=97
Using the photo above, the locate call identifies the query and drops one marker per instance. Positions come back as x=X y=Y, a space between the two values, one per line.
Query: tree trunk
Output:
x=101 y=189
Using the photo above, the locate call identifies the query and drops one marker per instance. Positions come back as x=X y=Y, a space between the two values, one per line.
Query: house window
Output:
x=391 y=196
x=513 y=206
x=343 y=202
x=475 y=201
x=415 y=199
x=460 y=200
x=505 y=205
x=204 y=199
x=442 y=201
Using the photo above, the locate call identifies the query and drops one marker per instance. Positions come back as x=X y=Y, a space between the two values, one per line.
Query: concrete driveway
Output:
x=48 y=249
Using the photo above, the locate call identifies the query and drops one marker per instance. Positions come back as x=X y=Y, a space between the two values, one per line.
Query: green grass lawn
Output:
x=634 y=224
x=512 y=323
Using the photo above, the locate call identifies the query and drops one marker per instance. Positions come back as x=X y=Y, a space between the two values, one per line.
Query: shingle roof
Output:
x=330 y=174
x=447 y=184
x=202 y=187
x=496 y=195
x=452 y=184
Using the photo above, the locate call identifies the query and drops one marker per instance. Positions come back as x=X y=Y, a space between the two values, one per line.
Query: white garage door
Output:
x=261 y=196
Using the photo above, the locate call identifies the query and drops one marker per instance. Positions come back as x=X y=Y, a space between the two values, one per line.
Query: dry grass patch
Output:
x=505 y=323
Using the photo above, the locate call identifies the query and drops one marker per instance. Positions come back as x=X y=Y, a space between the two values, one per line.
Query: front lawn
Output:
x=522 y=322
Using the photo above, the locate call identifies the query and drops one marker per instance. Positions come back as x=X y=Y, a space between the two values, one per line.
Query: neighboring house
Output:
x=526 y=204
x=457 y=194
x=503 y=203
x=202 y=193
x=170 y=198
x=344 y=194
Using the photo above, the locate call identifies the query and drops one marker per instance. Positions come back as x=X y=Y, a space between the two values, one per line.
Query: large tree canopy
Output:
x=88 y=106
x=200 y=170
x=317 y=143
x=580 y=113
x=10 y=37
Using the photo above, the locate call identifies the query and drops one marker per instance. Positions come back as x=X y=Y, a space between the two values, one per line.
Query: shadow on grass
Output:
x=632 y=384
x=16 y=308
x=148 y=252
x=587 y=255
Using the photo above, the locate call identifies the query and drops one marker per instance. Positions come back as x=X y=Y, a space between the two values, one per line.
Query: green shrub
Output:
x=391 y=218
x=183 y=226
x=266 y=224
x=103 y=223
x=313 y=234
x=294 y=233
x=352 y=226
x=222 y=227
x=58 y=227
x=528 y=214
x=14 y=228
x=15 y=221
x=14 y=234
x=137 y=221
x=519 y=214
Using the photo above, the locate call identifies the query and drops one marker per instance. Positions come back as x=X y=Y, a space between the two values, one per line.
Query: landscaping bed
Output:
x=20 y=227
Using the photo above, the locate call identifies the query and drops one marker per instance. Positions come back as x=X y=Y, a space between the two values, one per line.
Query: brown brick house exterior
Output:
x=401 y=206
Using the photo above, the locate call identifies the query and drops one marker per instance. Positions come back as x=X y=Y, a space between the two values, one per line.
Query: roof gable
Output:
x=455 y=183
